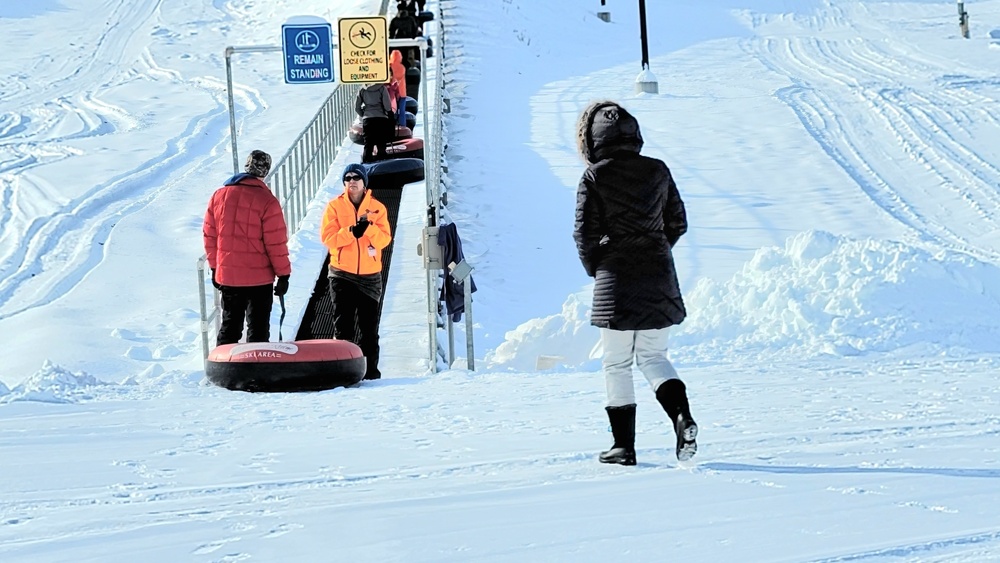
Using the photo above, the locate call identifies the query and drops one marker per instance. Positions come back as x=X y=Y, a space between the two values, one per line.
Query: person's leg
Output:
x=401 y=111
x=343 y=297
x=671 y=393
x=619 y=351
x=260 y=298
x=651 y=356
x=234 y=308
x=368 y=130
x=368 y=322
x=387 y=132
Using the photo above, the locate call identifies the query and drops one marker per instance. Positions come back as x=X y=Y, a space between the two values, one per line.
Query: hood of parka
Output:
x=605 y=128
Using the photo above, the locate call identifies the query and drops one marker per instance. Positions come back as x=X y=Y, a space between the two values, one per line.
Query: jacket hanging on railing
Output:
x=452 y=291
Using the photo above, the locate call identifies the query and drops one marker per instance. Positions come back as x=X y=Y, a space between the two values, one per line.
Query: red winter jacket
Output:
x=245 y=235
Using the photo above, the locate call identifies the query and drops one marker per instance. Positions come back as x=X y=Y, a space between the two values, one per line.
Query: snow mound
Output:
x=826 y=294
x=53 y=384
x=565 y=339
x=4 y=390
x=821 y=294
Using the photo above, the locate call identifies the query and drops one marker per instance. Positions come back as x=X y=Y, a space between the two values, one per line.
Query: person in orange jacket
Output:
x=355 y=228
x=397 y=76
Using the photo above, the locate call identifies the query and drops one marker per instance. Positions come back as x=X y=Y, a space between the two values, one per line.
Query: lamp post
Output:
x=604 y=15
x=646 y=81
x=963 y=19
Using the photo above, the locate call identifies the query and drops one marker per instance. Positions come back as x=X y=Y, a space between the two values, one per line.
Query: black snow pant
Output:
x=355 y=318
x=250 y=304
x=378 y=131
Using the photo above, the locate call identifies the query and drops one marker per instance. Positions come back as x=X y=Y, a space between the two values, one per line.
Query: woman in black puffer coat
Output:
x=629 y=215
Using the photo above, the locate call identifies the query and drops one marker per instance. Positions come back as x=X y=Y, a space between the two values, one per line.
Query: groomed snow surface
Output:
x=840 y=162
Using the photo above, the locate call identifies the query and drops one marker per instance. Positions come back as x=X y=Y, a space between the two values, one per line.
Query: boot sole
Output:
x=619 y=461
x=686 y=445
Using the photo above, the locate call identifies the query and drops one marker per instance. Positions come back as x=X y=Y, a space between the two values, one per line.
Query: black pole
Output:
x=642 y=26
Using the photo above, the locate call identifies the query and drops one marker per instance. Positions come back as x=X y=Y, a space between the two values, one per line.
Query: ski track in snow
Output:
x=52 y=244
x=927 y=125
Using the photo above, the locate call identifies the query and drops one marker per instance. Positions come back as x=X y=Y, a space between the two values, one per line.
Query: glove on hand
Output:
x=215 y=283
x=359 y=229
x=281 y=287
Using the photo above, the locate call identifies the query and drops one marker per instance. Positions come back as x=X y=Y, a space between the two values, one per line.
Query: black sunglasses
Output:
x=351 y=178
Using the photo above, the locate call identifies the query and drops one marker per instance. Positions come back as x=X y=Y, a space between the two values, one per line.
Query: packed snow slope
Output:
x=839 y=160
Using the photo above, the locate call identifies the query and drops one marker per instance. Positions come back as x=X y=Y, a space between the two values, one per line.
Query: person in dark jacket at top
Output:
x=355 y=229
x=246 y=243
x=405 y=26
x=378 y=121
x=629 y=215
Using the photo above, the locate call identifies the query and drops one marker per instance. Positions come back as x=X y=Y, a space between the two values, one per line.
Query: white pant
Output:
x=648 y=348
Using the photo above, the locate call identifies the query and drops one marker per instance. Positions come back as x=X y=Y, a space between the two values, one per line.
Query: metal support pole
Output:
x=963 y=19
x=451 y=341
x=229 y=90
x=470 y=354
x=204 y=311
x=432 y=315
x=232 y=111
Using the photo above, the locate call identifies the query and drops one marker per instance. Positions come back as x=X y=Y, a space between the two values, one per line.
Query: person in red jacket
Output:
x=355 y=228
x=246 y=242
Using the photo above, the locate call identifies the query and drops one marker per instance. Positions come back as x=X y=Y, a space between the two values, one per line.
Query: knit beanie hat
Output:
x=357 y=169
x=258 y=164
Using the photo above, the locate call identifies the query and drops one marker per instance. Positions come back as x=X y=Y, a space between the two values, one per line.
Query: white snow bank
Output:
x=820 y=294
x=4 y=390
x=566 y=340
x=823 y=293
x=52 y=384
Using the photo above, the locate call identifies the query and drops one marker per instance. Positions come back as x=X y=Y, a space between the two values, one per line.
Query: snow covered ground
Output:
x=840 y=164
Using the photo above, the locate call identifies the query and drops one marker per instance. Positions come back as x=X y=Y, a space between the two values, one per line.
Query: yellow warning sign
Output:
x=364 y=49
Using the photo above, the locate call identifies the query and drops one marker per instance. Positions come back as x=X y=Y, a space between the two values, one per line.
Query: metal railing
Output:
x=298 y=176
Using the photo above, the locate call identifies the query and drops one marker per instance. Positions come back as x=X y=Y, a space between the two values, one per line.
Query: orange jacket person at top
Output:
x=355 y=229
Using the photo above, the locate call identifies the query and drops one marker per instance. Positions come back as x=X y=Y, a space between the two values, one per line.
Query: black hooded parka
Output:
x=629 y=215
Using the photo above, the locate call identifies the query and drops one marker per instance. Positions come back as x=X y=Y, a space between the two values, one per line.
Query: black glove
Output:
x=215 y=283
x=281 y=287
x=359 y=229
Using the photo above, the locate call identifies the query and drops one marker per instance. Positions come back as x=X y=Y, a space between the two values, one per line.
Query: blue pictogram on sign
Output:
x=308 y=52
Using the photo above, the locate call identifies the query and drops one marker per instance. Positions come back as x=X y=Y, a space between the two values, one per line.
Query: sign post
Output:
x=364 y=49
x=308 y=49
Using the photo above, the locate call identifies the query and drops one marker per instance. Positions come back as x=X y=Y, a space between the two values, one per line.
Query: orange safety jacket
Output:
x=347 y=253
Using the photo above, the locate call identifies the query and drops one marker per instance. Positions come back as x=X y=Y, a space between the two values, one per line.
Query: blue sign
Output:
x=308 y=50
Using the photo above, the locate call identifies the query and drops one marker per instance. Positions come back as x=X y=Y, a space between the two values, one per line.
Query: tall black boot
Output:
x=623 y=429
x=672 y=395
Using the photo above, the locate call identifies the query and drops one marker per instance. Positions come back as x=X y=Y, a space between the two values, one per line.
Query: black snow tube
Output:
x=413 y=82
x=302 y=365
x=410 y=105
x=395 y=171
